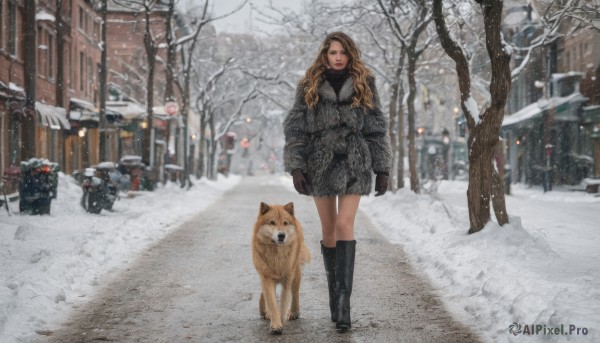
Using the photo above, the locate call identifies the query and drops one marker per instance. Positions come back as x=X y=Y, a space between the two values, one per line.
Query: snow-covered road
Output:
x=198 y=284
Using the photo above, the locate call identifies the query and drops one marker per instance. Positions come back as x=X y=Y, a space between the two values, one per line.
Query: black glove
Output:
x=381 y=184
x=300 y=182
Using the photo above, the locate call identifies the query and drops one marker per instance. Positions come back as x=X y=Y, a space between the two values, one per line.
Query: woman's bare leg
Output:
x=344 y=225
x=327 y=214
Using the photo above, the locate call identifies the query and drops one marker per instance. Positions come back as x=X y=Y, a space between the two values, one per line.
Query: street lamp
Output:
x=446 y=142
x=445 y=136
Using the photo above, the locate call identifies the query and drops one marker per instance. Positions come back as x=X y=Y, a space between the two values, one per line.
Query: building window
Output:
x=81 y=70
x=90 y=74
x=41 y=52
x=81 y=17
x=12 y=27
x=2 y=26
x=70 y=68
x=50 y=57
x=97 y=32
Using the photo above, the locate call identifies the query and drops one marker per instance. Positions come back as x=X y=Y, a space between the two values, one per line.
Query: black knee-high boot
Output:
x=344 y=272
x=329 y=260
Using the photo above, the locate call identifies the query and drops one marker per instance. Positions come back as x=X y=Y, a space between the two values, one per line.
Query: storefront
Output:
x=12 y=101
x=131 y=133
x=591 y=135
x=545 y=137
x=51 y=131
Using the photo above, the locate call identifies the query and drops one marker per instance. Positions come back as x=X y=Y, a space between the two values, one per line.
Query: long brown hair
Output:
x=356 y=68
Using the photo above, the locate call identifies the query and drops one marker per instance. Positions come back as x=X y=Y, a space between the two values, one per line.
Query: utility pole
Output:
x=102 y=123
x=28 y=120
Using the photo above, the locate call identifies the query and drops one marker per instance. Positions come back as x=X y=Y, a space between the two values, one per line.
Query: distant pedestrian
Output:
x=336 y=137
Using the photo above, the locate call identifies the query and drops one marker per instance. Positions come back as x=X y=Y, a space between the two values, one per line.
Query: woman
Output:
x=335 y=139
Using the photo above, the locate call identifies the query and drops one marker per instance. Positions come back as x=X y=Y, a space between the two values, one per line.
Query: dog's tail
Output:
x=305 y=256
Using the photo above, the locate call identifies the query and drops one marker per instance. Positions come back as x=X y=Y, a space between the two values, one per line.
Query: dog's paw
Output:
x=276 y=330
x=293 y=315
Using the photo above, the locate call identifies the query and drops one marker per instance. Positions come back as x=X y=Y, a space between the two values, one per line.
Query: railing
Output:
x=9 y=186
x=10 y=180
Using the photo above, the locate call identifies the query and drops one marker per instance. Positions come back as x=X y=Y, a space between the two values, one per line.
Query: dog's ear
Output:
x=264 y=208
x=289 y=208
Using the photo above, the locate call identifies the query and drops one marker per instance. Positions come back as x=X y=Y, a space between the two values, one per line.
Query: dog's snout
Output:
x=281 y=236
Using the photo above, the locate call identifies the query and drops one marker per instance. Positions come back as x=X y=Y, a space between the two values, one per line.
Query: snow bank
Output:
x=543 y=268
x=53 y=262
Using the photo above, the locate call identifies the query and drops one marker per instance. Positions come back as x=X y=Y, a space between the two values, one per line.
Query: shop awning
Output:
x=83 y=111
x=84 y=115
x=129 y=109
x=11 y=91
x=52 y=117
x=565 y=110
x=528 y=112
x=82 y=104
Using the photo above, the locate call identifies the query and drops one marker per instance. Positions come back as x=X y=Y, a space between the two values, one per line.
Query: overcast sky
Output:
x=245 y=19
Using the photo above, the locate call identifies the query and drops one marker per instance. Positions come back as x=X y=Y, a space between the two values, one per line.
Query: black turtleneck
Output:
x=336 y=78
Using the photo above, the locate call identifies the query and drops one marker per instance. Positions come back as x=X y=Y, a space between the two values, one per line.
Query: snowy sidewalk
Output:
x=52 y=263
x=199 y=285
x=542 y=269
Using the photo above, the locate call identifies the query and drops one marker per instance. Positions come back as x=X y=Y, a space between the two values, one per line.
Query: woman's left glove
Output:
x=381 y=184
x=300 y=182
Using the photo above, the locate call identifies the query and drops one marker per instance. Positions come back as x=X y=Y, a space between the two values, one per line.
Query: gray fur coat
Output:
x=338 y=147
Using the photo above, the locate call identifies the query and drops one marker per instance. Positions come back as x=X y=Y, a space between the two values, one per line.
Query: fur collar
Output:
x=326 y=92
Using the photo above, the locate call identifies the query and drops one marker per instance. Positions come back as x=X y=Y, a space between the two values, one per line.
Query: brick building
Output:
x=127 y=57
x=554 y=123
x=12 y=95
x=67 y=56
x=128 y=69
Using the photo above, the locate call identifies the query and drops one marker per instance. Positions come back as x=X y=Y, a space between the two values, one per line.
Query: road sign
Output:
x=171 y=108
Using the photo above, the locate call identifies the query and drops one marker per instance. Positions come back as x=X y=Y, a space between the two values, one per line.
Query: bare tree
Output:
x=409 y=38
x=151 y=45
x=188 y=45
x=387 y=59
x=484 y=128
x=580 y=14
x=205 y=106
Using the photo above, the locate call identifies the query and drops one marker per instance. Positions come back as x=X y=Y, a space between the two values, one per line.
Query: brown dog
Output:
x=278 y=252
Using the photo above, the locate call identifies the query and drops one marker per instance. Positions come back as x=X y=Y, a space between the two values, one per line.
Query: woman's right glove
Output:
x=300 y=182
x=381 y=184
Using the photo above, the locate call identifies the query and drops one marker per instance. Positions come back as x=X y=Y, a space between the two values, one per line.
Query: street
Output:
x=198 y=284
